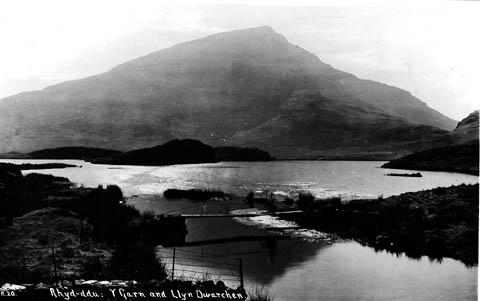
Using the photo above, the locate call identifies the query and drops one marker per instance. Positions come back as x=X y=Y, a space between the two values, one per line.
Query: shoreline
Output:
x=352 y=211
x=438 y=223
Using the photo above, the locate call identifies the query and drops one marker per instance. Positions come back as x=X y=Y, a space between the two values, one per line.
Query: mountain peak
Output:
x=467 y=128
x=471 y=118
x=264 y=33
x=263 y=28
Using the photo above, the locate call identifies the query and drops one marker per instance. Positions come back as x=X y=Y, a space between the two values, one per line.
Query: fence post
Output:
x=54 y=266
x=241 y=272
x=173 y=265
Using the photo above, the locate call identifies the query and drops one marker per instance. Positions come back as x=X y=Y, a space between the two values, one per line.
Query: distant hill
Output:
x=461 y=156
x=14 y=155
x=249 y=88
x=185 y=151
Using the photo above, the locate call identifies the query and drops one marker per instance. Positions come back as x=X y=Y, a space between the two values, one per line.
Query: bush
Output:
x=305 y=200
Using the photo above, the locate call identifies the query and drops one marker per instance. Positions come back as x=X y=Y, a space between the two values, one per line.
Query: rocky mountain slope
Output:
x=462 y=155
x=467 y=129
x=246 y=87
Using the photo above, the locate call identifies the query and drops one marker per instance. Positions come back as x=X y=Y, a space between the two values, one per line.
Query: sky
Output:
x=428 y=48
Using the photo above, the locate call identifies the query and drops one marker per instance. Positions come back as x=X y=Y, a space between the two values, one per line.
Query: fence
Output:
x=198 y=266
x=39 y=264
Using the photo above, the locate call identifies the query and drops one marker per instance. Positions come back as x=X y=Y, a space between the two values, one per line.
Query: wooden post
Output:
x=173 y=265
x=241 y=272
x=54 y=266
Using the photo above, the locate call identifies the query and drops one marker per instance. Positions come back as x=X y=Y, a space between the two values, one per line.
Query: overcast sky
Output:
x=433 y=51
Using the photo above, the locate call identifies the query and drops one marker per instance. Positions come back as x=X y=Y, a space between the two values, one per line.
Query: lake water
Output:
x=290 y=269
x=323 y=178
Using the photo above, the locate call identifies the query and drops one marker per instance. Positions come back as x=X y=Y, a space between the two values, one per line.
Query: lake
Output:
x=323 y=178
x=307 y=267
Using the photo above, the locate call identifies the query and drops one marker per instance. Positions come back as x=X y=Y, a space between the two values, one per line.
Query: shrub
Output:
x=305 y=200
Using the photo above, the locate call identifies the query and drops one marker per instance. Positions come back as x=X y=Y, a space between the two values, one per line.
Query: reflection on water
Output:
x=349 y=271
x=294 y=269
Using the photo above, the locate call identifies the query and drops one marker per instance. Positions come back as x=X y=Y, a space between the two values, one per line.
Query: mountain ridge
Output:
x=211 y=89
x=461 y=155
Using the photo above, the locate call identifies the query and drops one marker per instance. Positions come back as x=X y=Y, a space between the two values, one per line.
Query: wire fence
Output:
x=191 y=265
x=44 y=257
x=51 y=264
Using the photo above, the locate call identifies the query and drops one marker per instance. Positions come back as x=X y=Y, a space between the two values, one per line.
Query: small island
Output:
x=412 y=175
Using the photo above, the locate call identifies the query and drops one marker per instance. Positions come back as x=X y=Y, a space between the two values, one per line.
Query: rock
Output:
x=118 y=282
x=103 y=283
x=16 y=287
x=67 y=283
x=41 y=286
x=89 y=282
x=12 y=287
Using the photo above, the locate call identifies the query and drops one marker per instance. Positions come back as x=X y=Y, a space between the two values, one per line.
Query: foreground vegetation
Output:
x=441 y=222
x=51 y=230
x=53 y=236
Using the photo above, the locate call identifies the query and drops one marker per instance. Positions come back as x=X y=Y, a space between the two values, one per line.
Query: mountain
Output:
x=460 y=156
x=467 y=129
x=315 y=126
x=246 y=87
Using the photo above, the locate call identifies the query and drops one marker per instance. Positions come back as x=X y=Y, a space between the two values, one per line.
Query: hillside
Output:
x=461 y=156
x=235 y=88
x=173 y=152
x=467 y=129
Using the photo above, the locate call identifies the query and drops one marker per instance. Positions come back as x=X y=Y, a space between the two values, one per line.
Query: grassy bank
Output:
x=441 y=222
x=49 y=229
